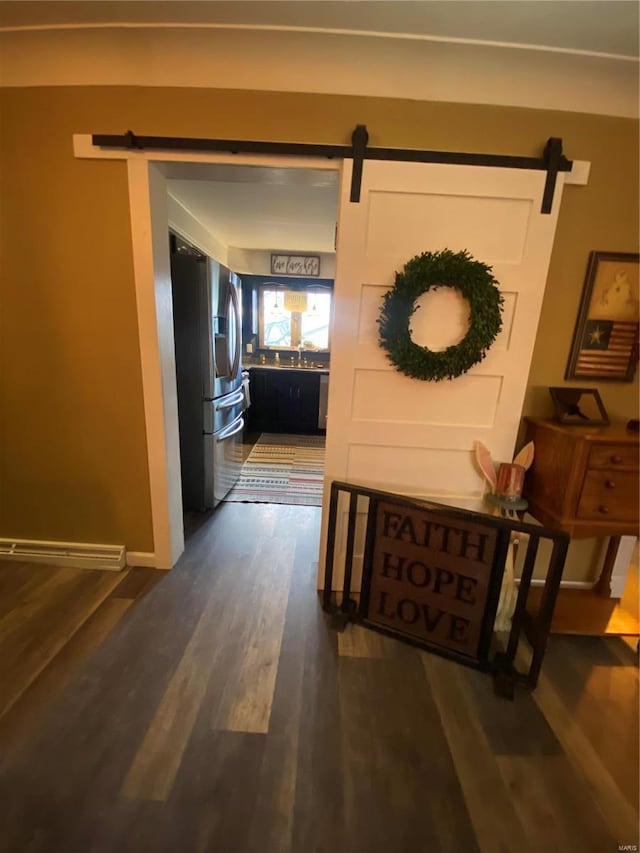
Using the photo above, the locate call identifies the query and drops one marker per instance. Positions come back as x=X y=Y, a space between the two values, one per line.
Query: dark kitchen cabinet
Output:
x=284 y=400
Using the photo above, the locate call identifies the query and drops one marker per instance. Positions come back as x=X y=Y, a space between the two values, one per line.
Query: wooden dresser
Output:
x=584 y=480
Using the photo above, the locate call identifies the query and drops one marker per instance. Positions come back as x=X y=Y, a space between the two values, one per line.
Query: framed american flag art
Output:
x=605 y=341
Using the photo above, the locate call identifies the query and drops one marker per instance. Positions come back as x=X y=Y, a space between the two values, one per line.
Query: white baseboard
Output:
x=617 y=586
x=146 y=559
x=622 y=564
x=78 y=555
x=563 y=584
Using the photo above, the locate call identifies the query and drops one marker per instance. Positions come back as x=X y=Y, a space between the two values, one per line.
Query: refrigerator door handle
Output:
x=235 y=307
x=231 y=402
x=232 y=430
x=206 y=337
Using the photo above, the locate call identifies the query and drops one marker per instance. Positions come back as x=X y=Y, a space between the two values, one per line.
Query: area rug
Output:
x=282 y=469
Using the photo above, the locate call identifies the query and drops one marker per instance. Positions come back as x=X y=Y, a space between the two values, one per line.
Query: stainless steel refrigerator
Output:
x=208 y=346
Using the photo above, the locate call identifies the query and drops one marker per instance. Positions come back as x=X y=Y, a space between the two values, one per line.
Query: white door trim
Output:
x=147 y=175
x=148 y=206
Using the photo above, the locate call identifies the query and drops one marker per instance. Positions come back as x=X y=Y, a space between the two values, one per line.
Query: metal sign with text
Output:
x=431 y=577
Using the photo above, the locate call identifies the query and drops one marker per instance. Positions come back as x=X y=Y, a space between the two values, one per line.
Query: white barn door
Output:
x=408 y=436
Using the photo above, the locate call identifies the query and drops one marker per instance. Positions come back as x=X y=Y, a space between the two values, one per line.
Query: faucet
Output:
x=300 y=351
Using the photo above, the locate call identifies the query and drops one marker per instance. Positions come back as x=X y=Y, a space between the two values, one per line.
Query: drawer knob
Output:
x=610 y=484
x=616 y=459
x=603 y=509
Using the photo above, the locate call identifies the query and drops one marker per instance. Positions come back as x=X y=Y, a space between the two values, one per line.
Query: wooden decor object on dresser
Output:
x=584 y=480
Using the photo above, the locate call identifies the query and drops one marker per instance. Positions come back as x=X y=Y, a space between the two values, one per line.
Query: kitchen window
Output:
x=293 y=319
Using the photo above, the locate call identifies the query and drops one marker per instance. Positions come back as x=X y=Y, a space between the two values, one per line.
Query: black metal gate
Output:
x=475 y=535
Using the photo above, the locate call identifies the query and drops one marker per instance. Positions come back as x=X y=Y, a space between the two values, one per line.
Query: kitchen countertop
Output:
x=324 y=369
x=287 y=366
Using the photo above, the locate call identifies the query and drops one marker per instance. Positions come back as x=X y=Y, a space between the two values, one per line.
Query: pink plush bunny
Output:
x=508 y=592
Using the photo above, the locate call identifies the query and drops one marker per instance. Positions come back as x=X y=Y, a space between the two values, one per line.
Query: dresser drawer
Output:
x=609 y=494
x=616 y=456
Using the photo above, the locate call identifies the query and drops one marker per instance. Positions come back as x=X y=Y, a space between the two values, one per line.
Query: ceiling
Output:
x=606 y=27
x=252 y=207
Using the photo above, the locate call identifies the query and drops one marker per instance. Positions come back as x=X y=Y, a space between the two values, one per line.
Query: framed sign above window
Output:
x=307 y=265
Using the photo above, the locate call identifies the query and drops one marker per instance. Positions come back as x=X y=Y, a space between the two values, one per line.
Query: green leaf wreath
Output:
x=430 y=270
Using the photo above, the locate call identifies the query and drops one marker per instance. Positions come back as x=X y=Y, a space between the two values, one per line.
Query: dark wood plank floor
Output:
x=212 y=708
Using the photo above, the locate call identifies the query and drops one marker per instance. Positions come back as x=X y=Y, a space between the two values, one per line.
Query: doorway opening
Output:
x=270 y=231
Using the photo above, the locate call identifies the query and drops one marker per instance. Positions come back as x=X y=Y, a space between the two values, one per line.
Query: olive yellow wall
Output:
x=73 y=460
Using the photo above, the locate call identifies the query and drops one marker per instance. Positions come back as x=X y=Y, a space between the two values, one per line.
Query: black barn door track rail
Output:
x=552 y=160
